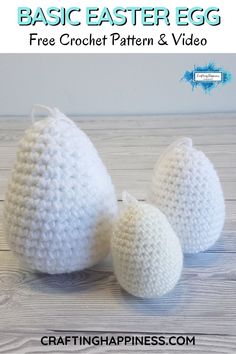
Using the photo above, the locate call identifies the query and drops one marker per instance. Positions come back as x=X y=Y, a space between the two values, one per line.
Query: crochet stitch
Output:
x=60 y=203
x=147 y=255
x=186 y=188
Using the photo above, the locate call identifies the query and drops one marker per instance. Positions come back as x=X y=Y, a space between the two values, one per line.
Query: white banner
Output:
x=118 y=26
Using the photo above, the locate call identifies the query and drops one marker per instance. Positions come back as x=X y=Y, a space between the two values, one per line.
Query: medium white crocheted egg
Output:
x=146 y=252
x=60 y=202
x=186 y=188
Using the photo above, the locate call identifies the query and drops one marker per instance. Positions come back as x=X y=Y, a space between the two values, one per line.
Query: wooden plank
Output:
x=137 y=182
x=129 y=122
x=121 y=160
x=226 y=243
x=204 y=299
x=155 y=136
x=88 y=302
x=135 y=129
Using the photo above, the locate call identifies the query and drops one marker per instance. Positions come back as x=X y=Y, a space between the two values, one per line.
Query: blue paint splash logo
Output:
x=207 y=77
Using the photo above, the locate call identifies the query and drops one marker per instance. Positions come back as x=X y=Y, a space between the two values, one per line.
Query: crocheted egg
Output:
x=60 y=202
x=186 y=188
x=147 y=255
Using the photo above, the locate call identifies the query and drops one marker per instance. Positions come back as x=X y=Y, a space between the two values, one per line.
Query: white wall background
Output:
x=111 y=84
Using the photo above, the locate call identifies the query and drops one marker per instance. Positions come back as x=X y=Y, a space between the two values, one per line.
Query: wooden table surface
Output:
x=90 y=302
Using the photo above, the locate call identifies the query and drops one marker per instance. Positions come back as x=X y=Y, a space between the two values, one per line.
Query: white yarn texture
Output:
x=60 y=202
x=186 y=188
x=147 y=255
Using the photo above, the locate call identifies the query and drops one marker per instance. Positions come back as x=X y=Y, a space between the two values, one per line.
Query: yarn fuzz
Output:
x=147 y=255
x=186 y=188
x=60 y=201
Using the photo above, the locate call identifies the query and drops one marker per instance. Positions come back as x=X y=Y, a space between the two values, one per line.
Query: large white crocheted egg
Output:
x=186 y=188
x=146 y=252
x=60 y=202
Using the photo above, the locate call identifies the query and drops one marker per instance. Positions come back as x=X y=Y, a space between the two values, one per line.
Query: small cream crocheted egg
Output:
x=60 y=203
x=147 y=255
x=186 y=188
